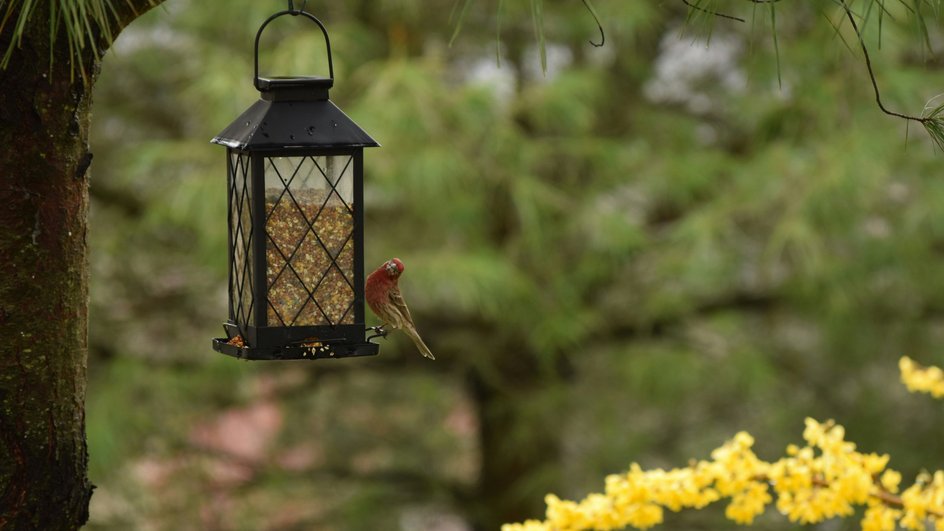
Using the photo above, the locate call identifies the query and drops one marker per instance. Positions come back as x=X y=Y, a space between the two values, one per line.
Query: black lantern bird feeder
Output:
x=296 y=230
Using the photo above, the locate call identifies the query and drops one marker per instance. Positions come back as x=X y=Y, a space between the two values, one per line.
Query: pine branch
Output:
x=932 y=121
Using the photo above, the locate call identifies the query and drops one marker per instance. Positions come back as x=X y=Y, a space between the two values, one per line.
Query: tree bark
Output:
x=519 y=447
x=44 y=161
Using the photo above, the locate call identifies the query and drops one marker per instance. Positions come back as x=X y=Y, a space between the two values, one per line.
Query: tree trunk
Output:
x=519 y=449
x=44 y=122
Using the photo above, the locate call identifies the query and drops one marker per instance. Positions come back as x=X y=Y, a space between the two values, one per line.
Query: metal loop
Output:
x=294 y=12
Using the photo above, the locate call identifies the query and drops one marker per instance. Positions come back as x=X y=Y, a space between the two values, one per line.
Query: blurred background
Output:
x=628 y=257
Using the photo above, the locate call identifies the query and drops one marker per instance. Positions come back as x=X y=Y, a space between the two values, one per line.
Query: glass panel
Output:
x=241 y=234
x=310 y=226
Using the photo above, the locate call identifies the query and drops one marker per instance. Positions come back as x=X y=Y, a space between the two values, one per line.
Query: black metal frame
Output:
x=264 y=84
x=239 y=181
x=262 y=339
x=293 y=118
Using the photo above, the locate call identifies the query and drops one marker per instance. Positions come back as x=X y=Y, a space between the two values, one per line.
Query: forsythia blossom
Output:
x=921 y=379
x=825 y=478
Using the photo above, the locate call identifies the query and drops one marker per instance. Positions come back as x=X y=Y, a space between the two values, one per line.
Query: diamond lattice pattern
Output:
x=310 y=246
x=240 y=230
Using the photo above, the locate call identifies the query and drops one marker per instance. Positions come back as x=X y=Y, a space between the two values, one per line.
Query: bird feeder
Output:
x=296 y=231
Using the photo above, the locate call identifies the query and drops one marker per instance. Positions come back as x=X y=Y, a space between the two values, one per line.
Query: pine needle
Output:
x=934 y=121
x=459 y=21
x=537 y=15
x=773 y=31
x=87 y=24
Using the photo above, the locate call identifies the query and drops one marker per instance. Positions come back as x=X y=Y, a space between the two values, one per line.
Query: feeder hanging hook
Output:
x=291 y=6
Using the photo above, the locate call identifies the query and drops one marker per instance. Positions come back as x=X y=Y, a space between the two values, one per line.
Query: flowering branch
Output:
x=827 y=478
x=824 y=479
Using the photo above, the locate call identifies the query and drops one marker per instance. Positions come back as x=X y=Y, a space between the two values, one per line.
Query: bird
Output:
x=383 y=296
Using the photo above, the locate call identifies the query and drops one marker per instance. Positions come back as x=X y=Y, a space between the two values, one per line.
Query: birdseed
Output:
x=288 y=224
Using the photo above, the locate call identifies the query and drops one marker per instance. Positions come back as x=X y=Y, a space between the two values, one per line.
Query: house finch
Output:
x=383 y=297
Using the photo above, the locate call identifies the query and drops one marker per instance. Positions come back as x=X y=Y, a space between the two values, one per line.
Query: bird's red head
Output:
x=393 y=267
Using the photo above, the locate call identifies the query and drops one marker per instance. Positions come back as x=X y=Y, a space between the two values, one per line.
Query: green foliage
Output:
x=935 y=122
x=636 y=277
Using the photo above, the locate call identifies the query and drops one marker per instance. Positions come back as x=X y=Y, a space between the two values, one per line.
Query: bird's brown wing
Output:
x=404 y=321
x=400 y=312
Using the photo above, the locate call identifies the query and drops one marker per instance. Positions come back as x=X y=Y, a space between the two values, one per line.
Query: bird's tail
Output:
x=414 y=335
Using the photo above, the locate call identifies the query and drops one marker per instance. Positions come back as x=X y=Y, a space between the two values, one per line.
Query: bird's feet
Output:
x=378 y=332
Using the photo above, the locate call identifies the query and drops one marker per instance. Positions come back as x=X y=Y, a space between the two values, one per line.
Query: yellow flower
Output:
x=921 y=379
x=890 y=480
x=747 y=505
x=824 y=479
x=880 y=518
x=814 y=432
x=528 y=525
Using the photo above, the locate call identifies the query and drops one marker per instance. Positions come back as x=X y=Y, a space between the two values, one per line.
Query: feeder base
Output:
x=296 y=352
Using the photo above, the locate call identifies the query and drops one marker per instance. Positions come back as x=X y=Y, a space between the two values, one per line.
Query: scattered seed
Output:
x=236 y=341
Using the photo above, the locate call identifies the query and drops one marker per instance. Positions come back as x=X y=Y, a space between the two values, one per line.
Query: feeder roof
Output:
x=279 y=121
